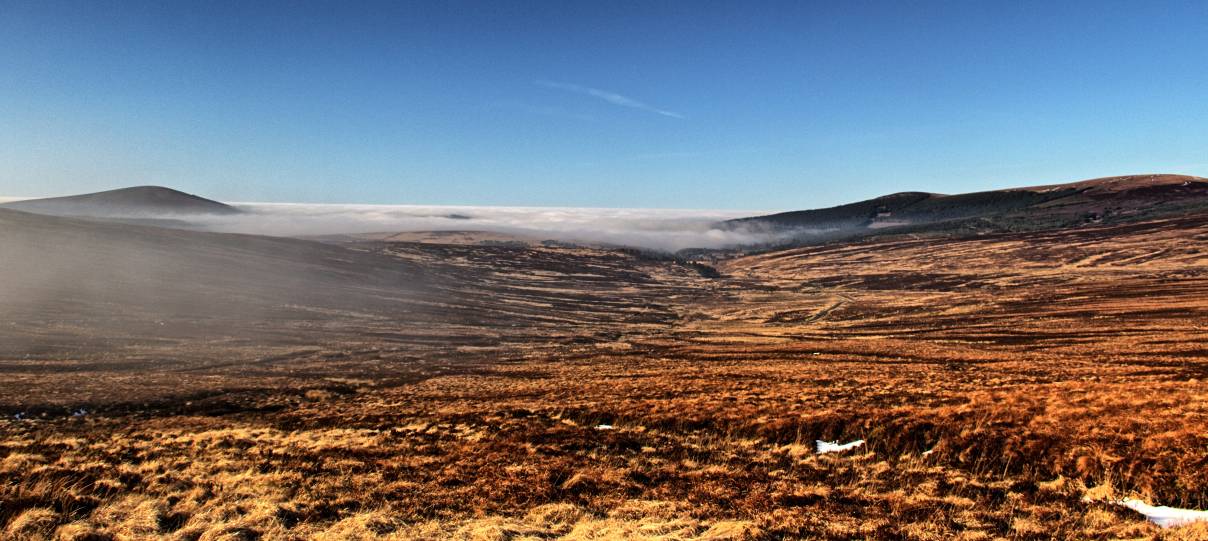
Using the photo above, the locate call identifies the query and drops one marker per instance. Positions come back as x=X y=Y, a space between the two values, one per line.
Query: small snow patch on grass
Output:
x=1163 y=516
x=834 y=447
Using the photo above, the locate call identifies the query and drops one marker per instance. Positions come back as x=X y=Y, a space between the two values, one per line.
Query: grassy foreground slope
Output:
x=1007 y=386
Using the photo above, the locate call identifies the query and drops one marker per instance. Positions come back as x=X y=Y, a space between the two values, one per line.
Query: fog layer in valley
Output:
x=660 y=229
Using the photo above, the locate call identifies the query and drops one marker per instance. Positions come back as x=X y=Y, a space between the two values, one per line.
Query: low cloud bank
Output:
x=658 y=229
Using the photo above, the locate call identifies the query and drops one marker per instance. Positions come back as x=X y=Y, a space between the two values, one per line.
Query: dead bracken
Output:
x=1005 y=386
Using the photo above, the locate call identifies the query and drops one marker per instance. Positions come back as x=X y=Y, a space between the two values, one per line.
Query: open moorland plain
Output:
x=1006 y=385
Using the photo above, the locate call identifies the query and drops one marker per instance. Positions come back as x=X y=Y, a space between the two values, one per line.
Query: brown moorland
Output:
x=1007 y=385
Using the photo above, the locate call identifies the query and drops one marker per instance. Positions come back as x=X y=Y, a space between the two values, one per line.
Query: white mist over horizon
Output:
x=659 y=229
x=652 y=228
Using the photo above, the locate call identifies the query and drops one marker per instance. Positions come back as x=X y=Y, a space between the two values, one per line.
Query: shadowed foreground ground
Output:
x=1007 y=387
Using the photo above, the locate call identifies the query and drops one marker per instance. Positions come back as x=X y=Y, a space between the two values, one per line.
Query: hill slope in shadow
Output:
x=1105 y=200
x=138 y=201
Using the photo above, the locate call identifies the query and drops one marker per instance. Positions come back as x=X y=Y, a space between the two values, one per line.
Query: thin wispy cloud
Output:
x=610 y=97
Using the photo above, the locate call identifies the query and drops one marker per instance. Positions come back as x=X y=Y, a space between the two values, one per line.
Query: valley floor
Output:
x=1007 y=387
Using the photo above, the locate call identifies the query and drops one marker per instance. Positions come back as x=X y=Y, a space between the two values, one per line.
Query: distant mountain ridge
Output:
x=138 y=201
x=1110 y=199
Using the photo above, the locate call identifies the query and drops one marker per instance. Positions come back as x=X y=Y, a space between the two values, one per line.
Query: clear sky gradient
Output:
x=755 y=105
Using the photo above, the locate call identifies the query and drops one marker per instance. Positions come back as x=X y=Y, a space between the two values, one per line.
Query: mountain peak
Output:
x=134 y=201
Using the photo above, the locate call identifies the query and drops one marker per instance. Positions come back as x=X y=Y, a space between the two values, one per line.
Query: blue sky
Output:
x=761 y=105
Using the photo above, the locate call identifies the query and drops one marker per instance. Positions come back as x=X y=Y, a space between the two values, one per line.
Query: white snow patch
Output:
x=834 y=447
x=1163 y=516
x=604 y=427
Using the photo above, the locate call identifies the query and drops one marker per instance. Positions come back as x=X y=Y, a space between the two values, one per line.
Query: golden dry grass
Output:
x=1008 y=387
